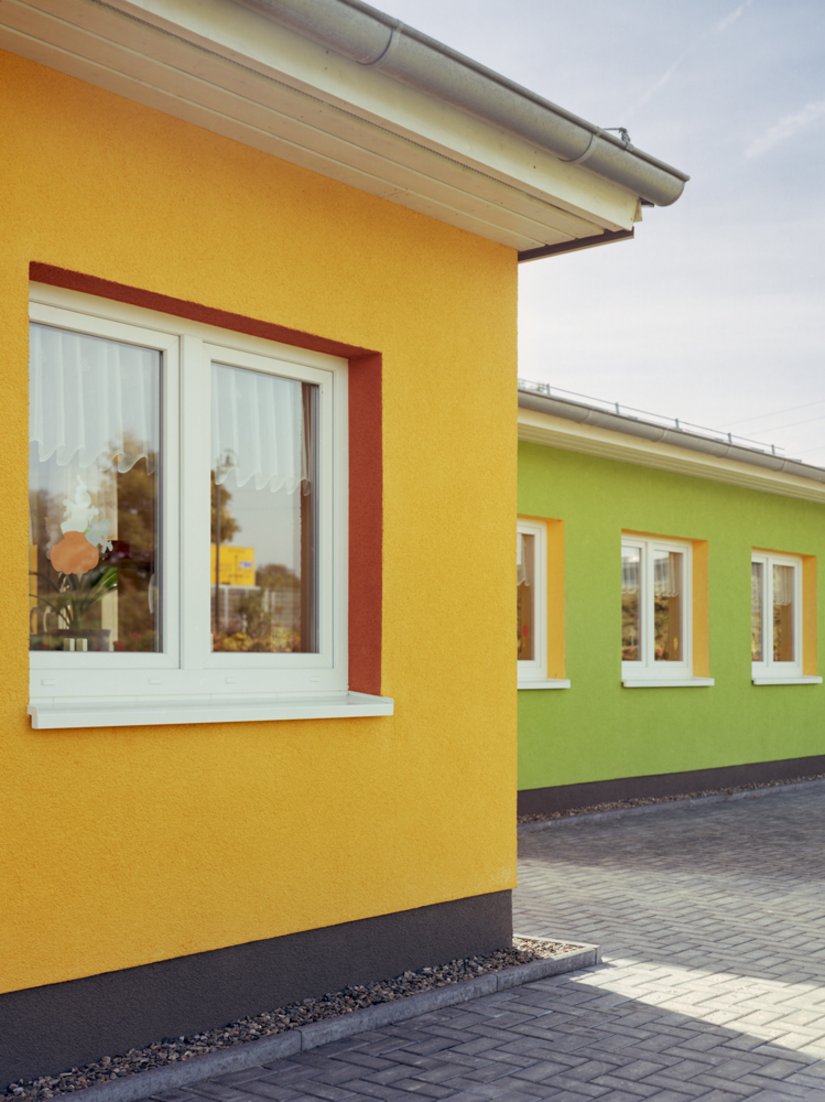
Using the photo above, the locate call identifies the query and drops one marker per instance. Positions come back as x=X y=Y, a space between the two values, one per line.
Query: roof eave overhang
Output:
x=339 y=88
x=569 y=426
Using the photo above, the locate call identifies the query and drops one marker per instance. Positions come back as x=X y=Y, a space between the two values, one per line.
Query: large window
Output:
x=657 y=612
x=188 y=520
x=783 y=619
x=776 y=615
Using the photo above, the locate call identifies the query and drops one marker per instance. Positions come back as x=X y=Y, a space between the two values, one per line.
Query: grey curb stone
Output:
x=585 y=956
x=399 y=1010
x=158 y=1080
x=256 y=1053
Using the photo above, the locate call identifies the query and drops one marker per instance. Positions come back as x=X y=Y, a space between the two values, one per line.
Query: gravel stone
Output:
x=646 y=801
x=271 y=1022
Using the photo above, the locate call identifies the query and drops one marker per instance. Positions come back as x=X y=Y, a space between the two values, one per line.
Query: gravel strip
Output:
x=648 y=801
x=282 y=1019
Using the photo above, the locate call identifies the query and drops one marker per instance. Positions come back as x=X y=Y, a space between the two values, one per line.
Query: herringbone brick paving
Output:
x=710 y=918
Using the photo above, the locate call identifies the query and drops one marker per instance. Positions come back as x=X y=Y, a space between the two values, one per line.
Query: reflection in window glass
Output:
x=94 y=494
x=757 y=612
x=526 y=590
x=667 y=607
x=783 y=613
x=264 y=513
x=631 y=604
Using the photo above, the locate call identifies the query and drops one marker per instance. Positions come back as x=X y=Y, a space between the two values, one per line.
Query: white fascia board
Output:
x=556 y=432
x=274 y=50
x=233 y=71
x=463 y=197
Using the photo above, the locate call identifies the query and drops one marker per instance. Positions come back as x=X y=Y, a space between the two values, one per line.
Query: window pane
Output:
x=264 y=505
x=526 y=591
x=783 y=614
x=757 y=590
x=94 y=494
x=668 y=604
x=631 y=604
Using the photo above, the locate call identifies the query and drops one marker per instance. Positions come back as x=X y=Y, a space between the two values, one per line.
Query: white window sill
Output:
x=668 y=683
x=787 y=680
x=140 y=711
x=548 y=683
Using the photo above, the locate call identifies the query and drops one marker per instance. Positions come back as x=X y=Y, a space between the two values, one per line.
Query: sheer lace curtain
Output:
x=631 y=570
x=756 y=588
x=667 y=567
x=258 y=429
x=783 y=586
x=94 y=402
x=522 y=553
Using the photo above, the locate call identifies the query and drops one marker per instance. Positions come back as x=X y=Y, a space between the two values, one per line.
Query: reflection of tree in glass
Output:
x=64 y=605
x=134 y=553
x=630 y=626
x=229 y=527
x=223 y=527
x=44 y=511
x=81 y=604
x=260 y=618
x=264 y=617
x=274 y=575
x=524 y=646
x=667 y=627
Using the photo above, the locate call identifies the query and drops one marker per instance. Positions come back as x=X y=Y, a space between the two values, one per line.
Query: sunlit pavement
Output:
x=710 y=918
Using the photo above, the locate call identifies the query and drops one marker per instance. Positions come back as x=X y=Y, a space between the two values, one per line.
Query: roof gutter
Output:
x=659 y=434
x=370 y=38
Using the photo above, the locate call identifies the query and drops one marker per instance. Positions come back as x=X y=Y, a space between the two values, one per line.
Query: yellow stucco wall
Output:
x=132 y=845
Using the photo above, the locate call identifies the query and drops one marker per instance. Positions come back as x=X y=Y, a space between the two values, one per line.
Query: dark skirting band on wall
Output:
x=46 y=1030
x=567 y=797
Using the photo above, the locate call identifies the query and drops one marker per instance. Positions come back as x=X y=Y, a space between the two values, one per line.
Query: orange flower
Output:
x=74 y=554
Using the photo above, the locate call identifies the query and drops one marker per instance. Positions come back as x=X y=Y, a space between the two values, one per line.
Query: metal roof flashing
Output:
x=549 y=419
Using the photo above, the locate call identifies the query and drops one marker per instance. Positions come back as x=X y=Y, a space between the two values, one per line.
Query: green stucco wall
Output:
x=598 y=730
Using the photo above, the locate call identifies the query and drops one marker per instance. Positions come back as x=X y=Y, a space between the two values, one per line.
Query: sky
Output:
x=715 y=312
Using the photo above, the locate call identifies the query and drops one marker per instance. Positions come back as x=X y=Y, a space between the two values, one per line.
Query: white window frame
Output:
x=532 y=673
x=770 y=671
x=187 y=682
x=647 y=672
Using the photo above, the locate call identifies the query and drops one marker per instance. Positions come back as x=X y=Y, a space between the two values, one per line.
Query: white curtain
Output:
x=756 y=588
x=93 y=401
x=667 y=574
x=523 y=575
x=258 y=429
x=631 y=571
x=783 y=586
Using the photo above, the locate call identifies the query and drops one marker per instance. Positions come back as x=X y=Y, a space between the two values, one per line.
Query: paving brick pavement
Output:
x=710 y=918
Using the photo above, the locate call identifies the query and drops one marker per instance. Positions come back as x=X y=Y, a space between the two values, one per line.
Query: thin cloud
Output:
x=729 y=20
x=664 y=79
x=787 y=127
x=668 y=74
x=660 y=82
